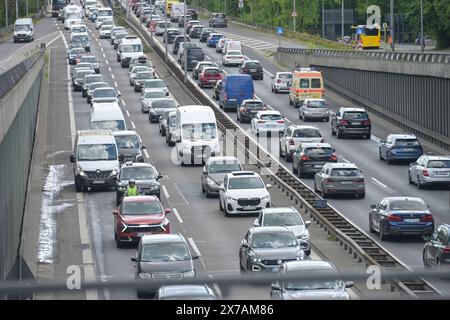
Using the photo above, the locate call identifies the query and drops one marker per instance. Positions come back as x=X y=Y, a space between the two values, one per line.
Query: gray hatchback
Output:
x=340 y=178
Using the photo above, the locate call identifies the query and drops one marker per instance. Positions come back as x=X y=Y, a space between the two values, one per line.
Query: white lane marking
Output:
x=89 y=273
x=224 y=71
x=166 y=194
x=106 y=61
x=115 y=84
x=194 y=246
x=345 y=160
x=123 y=103
x=264 y=46
x=101 y=49
x=376 y=139
x=208 y=58
x=128 y=113
x=133 y=125
x=104 y=56
x=177 y=215
x=269 y=73
x=58 y=28
x=178 y=189
x=48 y=44
x=146 y=154
x=109 y=68
x=113 y=77
x=382 y=185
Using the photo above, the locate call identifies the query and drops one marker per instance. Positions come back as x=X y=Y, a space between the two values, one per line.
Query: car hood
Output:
x=98 y=165
x=143 y=219
x=105 y=100
x=298 y=230
x=159 y=111
x=322 y=294
x=127 y=152
x=217 y=177
x=249 y=193
x=278 y=253
x=169 y=266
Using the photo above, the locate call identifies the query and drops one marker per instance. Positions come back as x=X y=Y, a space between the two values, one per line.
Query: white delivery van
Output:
x=176 y=11
x=108 y=116
x=71 y=14
x=95 y=159
x=196 y=134
x=23 y=30
x=103 y=13
x=232 y=45
x=130 y=47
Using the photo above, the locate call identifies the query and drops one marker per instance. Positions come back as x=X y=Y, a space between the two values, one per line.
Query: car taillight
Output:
x=427 y=218
x=343 y=122
x=225 y=96
x=261 y=121
x=291 y=142
x=304 y=157
x=330 y=180
x=393 y=217
x=425 y=173
x=446 y=250
x=333 y=157
x=280 y=121
x=366 y=122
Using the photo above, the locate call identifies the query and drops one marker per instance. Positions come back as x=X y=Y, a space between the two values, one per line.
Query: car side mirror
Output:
x=177 y=139
x=167 y=211
x=244 y=244
x=307 y=223
x=143 y=147
x=195 y=256
x=221 y=188
x=276 y=286
x=134 y=259
x=73 y=159
x=121 y=157
x=160 y=176
x=268 y=186
x=115 y=212
x=349 y=284
x=272 y=77
x=373 y=206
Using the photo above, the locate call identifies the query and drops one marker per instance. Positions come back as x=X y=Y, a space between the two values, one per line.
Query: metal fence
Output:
x=15 y=154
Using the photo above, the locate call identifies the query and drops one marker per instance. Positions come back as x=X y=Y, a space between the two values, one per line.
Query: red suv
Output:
x=209 y=76
x=138 y=216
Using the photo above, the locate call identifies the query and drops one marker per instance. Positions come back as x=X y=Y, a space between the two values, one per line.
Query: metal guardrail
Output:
x=388 y=56
x=356 y=241
x=6 y=30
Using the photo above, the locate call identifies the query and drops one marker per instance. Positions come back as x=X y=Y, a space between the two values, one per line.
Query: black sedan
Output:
x=436 y=251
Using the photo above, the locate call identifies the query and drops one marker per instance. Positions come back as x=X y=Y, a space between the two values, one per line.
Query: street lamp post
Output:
x=17 y=9
x=323 y=20
x=422 y=40
x=342 y=21
x=295 y=16
x=165 y=34
x=185 y=55
x=392 y=24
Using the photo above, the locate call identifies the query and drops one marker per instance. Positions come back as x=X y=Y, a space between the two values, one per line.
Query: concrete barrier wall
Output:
x=18 y=112
x=412 y=95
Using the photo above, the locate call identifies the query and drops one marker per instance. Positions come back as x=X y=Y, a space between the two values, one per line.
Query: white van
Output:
x=103 y=14
x=23 y=30
x=107 y=116
x=176 y=11
x=232 y=45
x=196 y=134
x=130 y=47
x=95 y=159
x=72 y=13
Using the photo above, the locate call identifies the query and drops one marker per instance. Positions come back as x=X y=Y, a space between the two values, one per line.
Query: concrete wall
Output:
x=18 y=111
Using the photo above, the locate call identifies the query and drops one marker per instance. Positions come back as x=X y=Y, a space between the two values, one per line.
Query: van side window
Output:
x=316 y=83
x=304 y=83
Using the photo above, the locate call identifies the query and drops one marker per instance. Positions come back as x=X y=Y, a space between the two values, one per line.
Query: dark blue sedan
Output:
x=400 y=147
x=213 y=39
x=401 y=216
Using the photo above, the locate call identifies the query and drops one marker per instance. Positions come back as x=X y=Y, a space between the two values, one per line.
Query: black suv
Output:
x=309 y=158
x=248 y=109
x=351 y=122
x=176 y=43
x=253 y=68
x=192 y=13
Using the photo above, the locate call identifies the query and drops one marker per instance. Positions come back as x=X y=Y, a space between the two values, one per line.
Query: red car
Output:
x=209 y=76
x=138 y=216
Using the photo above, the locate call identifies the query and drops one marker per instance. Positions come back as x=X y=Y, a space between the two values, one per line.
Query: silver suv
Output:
x=340 y=178
x=430 y=170
x=218 y=20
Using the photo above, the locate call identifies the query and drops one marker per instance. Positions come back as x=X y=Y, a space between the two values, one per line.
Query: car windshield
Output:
x=272 y=117
x=128 y=142
x=355 y=115
x=114 y=125
x=245 y=183
x=407 y=205
x=285 y=76
x=88 y=59
x=22 y=27
x=141 y=208
x=165 y=252
x=97 y=152
x=80 y=38
x=94 y=86
x=195 y=131
x=163 y=25
x=254 y=105
x=140 y=69
x=105 y=13
x=154 y=94
x=120 y=35
x=345 y=172
x=234 y=53
x=93 y=78
x=406 y=142
x=313 y=285
x=144 y=75
x=316 y=104
x=252 y=65
x=438 y=164
x=164 y=104
x=307 y=133
x=105 y=93
x=220 y=15
x=282 y=219
x=320 y=151
x=132 y=48
x=82 y=73
x=223 y=166
x=273 y=240
x=79 y=29
x=137 y=173
x=155 y=84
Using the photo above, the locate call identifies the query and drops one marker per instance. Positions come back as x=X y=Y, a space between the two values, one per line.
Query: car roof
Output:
x=341 y=165
x=315 y=99
x=251 y=100
x=350 y=109
x=274 y=112
x=309 y=265
x=434 y=157
x=403 y=136
x=223 y=159
x=316 y=145
x=284 y=72
x=240 y=174
x=140 y=199
x=162 y=238
x=303 y=126
x=270 y=229
x=278 y=210
x=130 y=164
x=125 y=133
x=256 y=61
x=185 y=290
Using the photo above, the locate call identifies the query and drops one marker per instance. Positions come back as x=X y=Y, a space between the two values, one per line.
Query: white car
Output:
x=281 y=82
x=105 y=31
x=295 y=135
x=157 y=84
x=243 y=192
x=221 y=44
x=233 y=57
x=268 y=121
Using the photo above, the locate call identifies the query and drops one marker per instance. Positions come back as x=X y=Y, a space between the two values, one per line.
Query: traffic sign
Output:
x=294 y=14
x=280 y=30
x=241 y=4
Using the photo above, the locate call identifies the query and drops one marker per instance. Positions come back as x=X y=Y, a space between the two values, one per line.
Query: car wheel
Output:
x=135 y=89
x=271 y=87
x=119 y=244
x=324 y=194
x=368 y=136
x=333 y=133
x=315 y=187
x=383 y=235
x=226 y=212
x=371 y=230
x=287 y=156
x=83 y=94
x=220 y=205
x=78 y=187
x=419 y=184
x=276 y=90
x=338 y=134
x=294 y=169
x=409 y=178
x=424 y=259
x=388 y=159
x=379 y=154
x=300 y=174
x=362 y=195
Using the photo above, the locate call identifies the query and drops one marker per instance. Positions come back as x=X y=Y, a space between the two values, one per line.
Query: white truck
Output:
x=196 y=134
x=176 y=12
x=130 y=47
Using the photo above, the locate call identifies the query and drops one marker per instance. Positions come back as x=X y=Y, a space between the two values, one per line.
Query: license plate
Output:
x=249 y=208
x=346 y=182
x=141 y=234
x=252 y=70
x=407 y=149
x=98 y=181
x=318 y=166
x=275 y=269
x=193 y=61
x=442 y=173
x=355 y=123
x=411 y=220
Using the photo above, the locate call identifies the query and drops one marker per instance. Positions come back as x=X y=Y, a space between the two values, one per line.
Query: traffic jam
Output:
x=110 y=155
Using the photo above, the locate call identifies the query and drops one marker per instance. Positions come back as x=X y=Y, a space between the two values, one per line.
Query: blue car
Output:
x=235 y=89
x=213 y=39
x=401 y=216
x=400 y=147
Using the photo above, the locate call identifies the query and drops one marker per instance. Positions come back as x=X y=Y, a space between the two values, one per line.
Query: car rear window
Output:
x=355 y=115
x=407 y=205
x=406 y=142
x=316 y=104
x=253 y=65
x=212 y=71
x=271 y=117
x=319 y=151
x=307 y=133
x=221 y=15
x=285 y=76
x=345 y=172
x=438 y=164
x=254 y=105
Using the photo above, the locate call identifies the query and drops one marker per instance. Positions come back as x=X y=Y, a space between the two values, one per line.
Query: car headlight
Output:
x=80 y=171
x=304 y=236
x=265 y=198
x=228 y=198
x=256 y=259
x=145 y=276
x=114 y=172
x=210 y=181
x=154 y=187
x=189 y=274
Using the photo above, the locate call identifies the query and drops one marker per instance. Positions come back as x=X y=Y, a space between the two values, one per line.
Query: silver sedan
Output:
x=430 y=170
x=340 y=178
